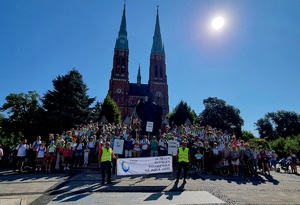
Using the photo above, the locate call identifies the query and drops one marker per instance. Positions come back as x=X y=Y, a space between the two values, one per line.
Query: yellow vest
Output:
x=106 y=154
x=183 y=155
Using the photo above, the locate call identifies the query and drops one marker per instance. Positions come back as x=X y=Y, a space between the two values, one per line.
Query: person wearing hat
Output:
x=106 y=155
x=248 y=157
x=184 y=160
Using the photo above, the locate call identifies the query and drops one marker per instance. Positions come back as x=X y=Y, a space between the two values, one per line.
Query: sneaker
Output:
x=184 y=181
x=68 y=168
x=177 y=181
x=65 y=168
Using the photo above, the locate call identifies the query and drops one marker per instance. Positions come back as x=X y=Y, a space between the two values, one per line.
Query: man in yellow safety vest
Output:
x=105 y=155
x=183 y=159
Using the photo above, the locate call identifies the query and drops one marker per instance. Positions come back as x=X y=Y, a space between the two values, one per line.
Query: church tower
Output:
x=158 y=84
x=119 y=80
x=126 y=94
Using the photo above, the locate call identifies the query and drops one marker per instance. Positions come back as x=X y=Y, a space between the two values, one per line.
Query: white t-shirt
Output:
x=22 y=150
x=41 y=152
x=145 y=144
x=1 y=153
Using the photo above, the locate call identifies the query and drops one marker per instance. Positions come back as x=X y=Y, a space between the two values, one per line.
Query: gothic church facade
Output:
x=126 y=94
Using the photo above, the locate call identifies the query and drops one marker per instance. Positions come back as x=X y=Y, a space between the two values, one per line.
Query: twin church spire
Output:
x=157 y=46
x=122 y=41
x=126 y=94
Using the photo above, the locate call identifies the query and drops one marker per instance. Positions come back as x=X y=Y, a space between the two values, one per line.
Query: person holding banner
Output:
x=184 y=160
x=105 y=155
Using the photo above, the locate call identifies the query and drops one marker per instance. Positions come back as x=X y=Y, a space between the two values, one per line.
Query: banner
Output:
x=144 y=165
x=118 y=146
x=173 y=146
x=149 y=126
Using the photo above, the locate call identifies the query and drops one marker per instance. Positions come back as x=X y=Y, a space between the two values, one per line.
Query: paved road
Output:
x=83 y=187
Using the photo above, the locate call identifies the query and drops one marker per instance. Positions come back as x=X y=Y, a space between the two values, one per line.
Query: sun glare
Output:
x=217 y=23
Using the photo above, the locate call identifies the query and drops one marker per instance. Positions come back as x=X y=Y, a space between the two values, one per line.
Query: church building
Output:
x=126 y=94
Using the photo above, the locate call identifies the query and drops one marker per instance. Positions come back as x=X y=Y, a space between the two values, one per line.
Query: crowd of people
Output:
x=208 y=148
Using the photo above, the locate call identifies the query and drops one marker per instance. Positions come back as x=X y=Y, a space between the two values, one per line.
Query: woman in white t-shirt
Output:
x=40 y=154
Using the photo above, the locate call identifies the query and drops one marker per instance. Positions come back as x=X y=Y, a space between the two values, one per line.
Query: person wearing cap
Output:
x=184 y=160
x=106 y=155
x=163 y=146
x=235 y=155
x=145 y=143
x=153 y=147
x=91 y=145
x=248 y=157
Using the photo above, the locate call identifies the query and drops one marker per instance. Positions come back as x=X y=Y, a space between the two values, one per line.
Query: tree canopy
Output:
x=181 y=112
x=110 y=110
x=24 y=112
x=220 y=115
x=278 y=124
x=68 y=104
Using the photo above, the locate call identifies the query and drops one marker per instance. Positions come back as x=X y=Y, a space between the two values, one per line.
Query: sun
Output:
x=217 y=23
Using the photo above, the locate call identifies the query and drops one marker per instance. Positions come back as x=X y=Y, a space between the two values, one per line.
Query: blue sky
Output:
x=252 y=62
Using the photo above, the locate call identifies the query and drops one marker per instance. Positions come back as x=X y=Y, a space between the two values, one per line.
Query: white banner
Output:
x=118 y=146
x=173 y=146
x=144 y=165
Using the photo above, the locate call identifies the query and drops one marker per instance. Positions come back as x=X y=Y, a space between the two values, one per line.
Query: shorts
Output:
x=78 y=153
x=21 y=159
x=235 y=162
x=274 y=162
x=40 y=159
x=50 y=157
x=264 y=160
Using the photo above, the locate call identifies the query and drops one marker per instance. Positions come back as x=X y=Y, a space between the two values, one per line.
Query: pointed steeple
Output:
x=139 y=77
x=122 y=41
x=157 y=46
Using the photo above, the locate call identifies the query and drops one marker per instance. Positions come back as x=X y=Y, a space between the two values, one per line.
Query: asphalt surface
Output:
x=83 y=186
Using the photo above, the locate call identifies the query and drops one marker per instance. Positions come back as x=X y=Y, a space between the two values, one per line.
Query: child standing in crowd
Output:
x=50 y=156
x=86 y=156
x=67 y=152
x=199 y=162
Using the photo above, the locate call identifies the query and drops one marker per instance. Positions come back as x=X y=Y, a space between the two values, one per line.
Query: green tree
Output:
x=247 y=135
x=96 y=112
x=68 y=104
x=220 y=115
x=24 y=114
x=181 y=112
x=111 y=111
x=279 y=146
x=279 y=124
x=259 y=142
